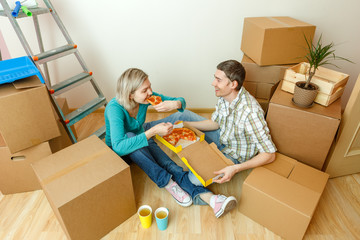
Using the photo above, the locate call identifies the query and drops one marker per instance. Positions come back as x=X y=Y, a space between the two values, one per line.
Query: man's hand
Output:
x=167 y=106
x=228 y=172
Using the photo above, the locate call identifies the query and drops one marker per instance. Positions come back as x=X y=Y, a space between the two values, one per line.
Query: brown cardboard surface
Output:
x=16 y=174
x=264 y=103
x=303 y=134
x=63 y=140
x=275 y=40
x=89 y=188
x=283 y=205
x=264 y=74
x=26 y=117
x=309 y=177
x=205 y=159
x=2 y=141
x=283 y=165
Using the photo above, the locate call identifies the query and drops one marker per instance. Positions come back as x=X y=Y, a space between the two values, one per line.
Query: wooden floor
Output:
x=29 y=215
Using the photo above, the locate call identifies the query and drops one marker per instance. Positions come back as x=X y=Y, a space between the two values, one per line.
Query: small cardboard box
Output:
x=89 y=188
x=16 y=174
x=200 y=157
x=331 y=83
x=275 y=40
x=26 y=116
x=305 y=134
x=63 y=140
x=282 y=196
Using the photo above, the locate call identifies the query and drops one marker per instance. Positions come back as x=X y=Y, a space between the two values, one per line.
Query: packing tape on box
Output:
x=278 y=21
x=74 y=166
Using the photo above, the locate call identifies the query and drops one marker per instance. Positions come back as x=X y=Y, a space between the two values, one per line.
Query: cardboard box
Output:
x=2 y=141
x=16 y=174
x=26 y=116
x=63 y=140
x=260 y=90
x=305 y=134
x=89 y=188
x=282 y=196
x=261 y=82
x=275 y=40
x=264 y=103
x=263 y=74
x=331 y=83
x=200 y=157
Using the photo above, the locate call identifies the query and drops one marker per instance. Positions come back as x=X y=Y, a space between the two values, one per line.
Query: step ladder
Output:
x=45 y=56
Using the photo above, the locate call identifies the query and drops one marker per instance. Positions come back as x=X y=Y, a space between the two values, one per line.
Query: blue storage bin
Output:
x=18 y=68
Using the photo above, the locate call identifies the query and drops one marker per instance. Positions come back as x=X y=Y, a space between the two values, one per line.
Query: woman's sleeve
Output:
x=167 y=98
x=120 y=142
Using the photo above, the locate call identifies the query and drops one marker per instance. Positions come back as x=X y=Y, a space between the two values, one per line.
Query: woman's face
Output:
x=142 y=93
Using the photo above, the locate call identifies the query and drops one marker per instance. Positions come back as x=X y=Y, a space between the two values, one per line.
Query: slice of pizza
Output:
x=154 y=100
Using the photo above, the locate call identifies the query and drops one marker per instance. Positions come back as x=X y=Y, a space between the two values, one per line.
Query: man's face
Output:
x=222 y=84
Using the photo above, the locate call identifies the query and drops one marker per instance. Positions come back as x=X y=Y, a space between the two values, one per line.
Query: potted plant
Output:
x=317 y=55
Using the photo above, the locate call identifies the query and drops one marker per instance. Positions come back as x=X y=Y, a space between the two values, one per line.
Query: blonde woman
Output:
x=131 y=138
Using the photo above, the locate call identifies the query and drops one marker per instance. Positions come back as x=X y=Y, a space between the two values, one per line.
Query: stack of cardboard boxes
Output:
x=88 y=186
x=270 y=46
x=283 y=195
x=27 y=123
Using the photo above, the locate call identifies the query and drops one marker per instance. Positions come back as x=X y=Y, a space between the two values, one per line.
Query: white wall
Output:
x=179 y=43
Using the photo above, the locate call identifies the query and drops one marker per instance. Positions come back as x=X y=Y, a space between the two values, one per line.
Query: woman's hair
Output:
x=127 y=84
x=234 y=71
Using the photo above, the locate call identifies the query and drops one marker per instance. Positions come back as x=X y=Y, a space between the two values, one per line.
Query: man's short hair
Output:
x=234 y=71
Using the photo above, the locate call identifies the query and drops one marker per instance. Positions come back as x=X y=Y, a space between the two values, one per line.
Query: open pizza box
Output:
x=201 y=158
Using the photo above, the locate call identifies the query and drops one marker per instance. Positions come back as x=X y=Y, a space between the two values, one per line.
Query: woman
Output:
x=131 y=139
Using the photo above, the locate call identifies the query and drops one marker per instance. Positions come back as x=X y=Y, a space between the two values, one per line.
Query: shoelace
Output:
x=179 y=192
x=220 y=198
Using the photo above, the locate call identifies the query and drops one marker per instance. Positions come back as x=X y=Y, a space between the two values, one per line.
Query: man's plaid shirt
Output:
x=243 y=129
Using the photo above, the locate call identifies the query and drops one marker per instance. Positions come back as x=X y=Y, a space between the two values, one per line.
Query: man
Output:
x=237 y=126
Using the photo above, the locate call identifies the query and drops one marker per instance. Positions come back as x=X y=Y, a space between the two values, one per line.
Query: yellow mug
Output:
x=145 y=215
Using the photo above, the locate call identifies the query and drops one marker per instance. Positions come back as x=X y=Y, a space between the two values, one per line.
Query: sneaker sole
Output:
x=183 y=204
x=229 y=204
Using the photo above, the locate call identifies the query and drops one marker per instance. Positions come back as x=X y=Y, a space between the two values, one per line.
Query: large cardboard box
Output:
x=275 y=40
x=16 y=174
x=26 y=116
x=305 y=134
x=89 y=188
x=201 y=158
x=282 y=196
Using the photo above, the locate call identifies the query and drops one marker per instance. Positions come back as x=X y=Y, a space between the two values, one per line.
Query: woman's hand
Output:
x=167 y=106
x=160 y=129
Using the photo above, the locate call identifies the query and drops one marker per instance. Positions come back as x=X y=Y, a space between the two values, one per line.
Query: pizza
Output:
x=154 y=100
x=180 y=133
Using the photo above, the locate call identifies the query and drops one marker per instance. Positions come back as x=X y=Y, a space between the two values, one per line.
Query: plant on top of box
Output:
x=317 y=55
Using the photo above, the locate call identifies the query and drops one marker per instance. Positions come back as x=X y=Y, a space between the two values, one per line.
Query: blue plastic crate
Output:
x=18 y=68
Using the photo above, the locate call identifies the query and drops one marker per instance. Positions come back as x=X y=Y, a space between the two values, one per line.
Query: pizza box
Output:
x=201 y=158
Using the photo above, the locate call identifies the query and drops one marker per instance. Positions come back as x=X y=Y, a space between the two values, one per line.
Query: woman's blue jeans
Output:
x=160 y=168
